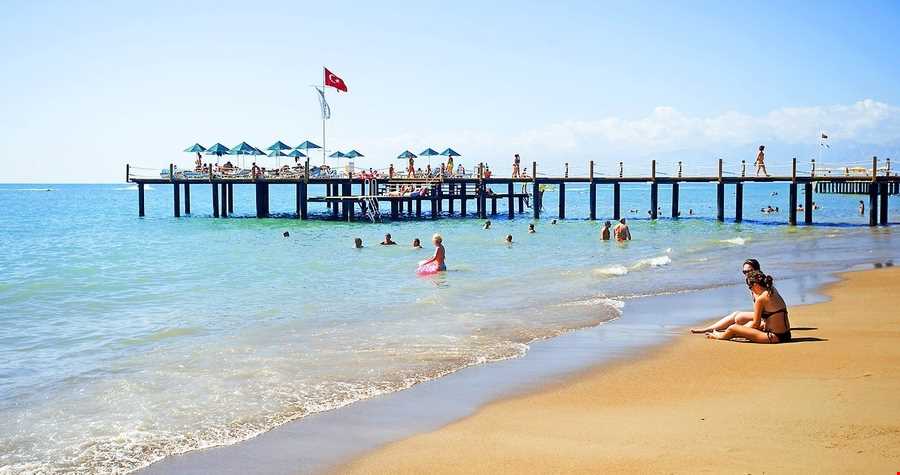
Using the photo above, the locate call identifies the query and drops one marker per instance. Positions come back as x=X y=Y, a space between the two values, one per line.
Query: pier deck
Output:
x=444 y=193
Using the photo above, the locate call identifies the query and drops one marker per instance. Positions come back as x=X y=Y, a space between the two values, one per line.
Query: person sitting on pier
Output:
x=388 y=241
x=254 y=170
x=487 y=225
x=531 y=228
x=198 y=163
x=416 y=244
x=438 y=257
x=622 y=232
x=357 y=243
x=487 y=172
x=461 y=170
x=605 y=232
x=770 y=323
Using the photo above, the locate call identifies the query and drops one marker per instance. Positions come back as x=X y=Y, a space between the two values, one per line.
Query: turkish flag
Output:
x=334 y=81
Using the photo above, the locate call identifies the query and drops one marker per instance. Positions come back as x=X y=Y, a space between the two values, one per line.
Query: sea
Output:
x=125 y=340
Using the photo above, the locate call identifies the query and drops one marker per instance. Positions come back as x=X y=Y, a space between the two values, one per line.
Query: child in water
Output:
x=438 y=257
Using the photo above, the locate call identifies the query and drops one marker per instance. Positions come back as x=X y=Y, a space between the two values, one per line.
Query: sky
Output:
x=86 y=87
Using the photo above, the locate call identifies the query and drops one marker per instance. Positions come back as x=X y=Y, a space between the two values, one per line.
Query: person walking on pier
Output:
x=516 y=163
x=411 y=168
x=450 y=165
x=391 y=171
x=761 y=161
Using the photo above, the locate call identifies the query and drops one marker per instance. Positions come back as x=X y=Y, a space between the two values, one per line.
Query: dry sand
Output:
x=827 y=403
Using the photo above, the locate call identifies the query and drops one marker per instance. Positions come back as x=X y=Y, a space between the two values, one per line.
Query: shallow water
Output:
x=123 y=340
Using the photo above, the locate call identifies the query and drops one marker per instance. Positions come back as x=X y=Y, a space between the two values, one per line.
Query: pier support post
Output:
x=521 y=204
x=720 y=196
x=176 y=198
x=451 y=188
x=434 y=206
x=592 y=192
x=187 y=198
x=418 y=208
x=675 y=212
x=562 y=200
x=536 y=192
x=463 y=201
x=617 y=192
x=493 y=205
x=224 y=210
x=440 y=197
x=808 y=203
x=792 y=192
x=140 y=200
x=230 y=198
x=873 y=203
x=739 y=202
x=482 y=202
x=347 y=204
x=395 y=213
x=335 y=204
x=262 y=200
x=654 y=192
x=215 y=199
x=883 y=206
x=510 y=201
x=303 y=191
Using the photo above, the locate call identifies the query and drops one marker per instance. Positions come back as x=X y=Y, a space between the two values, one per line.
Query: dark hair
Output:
x=758 y=278
x=752 y=263
x=762 y=147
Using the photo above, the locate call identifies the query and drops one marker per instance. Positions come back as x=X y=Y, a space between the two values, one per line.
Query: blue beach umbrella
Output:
x=306 y=146
x=337 y=154
x=406 y=154
x=450 y=153
x=277 y=154
x=217 y=149
x=279 y=145
x=196 y=148
x=296 y=154
x=354 y=154
x=428 y=152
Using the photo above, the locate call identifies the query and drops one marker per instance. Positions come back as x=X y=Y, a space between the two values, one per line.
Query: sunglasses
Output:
x=745 y=272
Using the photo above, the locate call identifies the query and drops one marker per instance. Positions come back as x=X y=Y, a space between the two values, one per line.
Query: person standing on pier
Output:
x=411 y=168
x=761 y=161
x=516 y=163
x=391 y=171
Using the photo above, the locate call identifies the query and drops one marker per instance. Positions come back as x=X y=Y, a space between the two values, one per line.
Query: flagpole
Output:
x=323 y=116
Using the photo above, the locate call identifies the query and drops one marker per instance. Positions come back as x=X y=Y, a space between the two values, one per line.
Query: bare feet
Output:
x=714 y=335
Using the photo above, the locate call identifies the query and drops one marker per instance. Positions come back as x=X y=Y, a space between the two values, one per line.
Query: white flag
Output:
x=326 y=110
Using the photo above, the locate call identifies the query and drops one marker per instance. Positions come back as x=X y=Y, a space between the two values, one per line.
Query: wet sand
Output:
x=828 y=402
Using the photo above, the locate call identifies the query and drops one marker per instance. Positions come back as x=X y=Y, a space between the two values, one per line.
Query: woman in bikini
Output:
x=740 y=318
x=770 y=322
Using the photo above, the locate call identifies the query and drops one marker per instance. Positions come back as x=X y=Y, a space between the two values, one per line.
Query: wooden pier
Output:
x=450 y=196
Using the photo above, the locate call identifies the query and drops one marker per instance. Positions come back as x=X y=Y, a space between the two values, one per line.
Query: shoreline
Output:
x=826 y=402
x=320 y=442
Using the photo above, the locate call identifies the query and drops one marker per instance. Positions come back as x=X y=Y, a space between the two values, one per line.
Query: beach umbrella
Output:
x=242 y=149
x=217 y=149
x=277 y=154
x=196 y=148
x=354 y=154
x=279 y=145
x=406 y=154
x=337 y=154
x=297 y=154
x=428 y=152
x=306 y=146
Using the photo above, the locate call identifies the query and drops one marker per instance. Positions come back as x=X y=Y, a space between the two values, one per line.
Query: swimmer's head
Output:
x=509 y=238
x=417 y=243
x=286 y=234
x=531 y=226
x=487 y=224
x=607 y=224
x=387 y=237
x=437 y=238
x=357 y=243
x=553 y=222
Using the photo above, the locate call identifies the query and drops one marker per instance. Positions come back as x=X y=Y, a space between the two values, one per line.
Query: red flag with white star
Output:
x=334 y=81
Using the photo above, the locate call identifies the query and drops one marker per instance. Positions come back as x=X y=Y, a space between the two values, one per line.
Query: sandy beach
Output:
x=827 y=402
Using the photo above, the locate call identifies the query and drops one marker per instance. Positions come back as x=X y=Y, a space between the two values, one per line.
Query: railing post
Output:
x=812 y=170
x=621 y=170
x=128 y=172
x=743 y=168
x=171 y=172
x=679 y=168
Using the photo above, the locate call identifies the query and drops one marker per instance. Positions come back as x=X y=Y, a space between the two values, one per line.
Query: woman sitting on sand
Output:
x=740 y=318
x=770 y=322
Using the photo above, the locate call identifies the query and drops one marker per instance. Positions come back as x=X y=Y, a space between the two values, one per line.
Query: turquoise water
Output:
x=124 y=340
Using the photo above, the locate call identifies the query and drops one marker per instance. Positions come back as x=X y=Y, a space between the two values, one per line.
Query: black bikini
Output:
x=782 y=337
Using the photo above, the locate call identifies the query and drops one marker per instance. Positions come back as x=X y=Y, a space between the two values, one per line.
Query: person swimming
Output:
x=416 y=244
x=605 y=232
x=487 y=225
x=388 y=241
x=770 y=322
x=357 y=243
x=531 y=229
x=286 y=234
x=508 y=239
x=439 y=253
x=553 y=222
